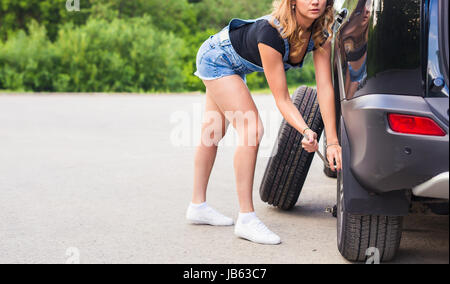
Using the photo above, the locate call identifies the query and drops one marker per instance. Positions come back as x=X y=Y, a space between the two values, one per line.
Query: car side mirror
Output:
x=339 y=19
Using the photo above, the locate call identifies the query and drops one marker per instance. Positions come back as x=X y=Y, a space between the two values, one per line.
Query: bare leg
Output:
x=233 y=98
x=214 y=128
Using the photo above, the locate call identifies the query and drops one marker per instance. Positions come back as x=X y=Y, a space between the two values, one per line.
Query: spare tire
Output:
x=289 y=163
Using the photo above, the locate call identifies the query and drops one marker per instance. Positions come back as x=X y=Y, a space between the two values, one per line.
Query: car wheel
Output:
x=289 y=163
x=357 y=233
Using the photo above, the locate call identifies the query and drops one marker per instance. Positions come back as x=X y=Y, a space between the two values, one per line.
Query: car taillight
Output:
x=410 y=124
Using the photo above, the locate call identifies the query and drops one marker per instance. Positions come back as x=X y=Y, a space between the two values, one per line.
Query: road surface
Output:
x=107 y=179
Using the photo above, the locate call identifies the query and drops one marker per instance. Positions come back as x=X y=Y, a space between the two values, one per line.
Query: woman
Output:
x=355 y=36
x=271 y=44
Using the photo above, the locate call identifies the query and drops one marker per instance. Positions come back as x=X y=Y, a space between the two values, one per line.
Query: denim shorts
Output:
x=216 y=59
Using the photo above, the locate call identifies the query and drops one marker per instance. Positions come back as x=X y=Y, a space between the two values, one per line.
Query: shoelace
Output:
x=213 y=212
x=261 y=227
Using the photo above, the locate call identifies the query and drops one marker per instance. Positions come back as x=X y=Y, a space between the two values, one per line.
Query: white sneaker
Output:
x=206 y=215
x=256 y=231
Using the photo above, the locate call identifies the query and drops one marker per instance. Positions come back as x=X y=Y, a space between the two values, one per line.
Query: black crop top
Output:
x=245 y=40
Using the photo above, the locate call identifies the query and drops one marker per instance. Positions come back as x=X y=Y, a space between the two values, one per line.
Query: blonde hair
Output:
x=283 y=12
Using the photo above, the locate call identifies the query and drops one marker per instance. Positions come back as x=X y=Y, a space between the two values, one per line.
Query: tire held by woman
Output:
x=289 y=163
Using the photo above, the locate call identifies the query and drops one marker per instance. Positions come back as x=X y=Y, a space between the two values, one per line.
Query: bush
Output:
x=118 y=56
x=27 y=62
x=192 y=44
x=115 y=46
x=177 y=16
x=304 y=75
x=17 y=15
x=217 y=13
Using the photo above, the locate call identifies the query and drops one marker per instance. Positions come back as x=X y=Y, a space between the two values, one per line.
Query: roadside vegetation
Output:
x=117 y=45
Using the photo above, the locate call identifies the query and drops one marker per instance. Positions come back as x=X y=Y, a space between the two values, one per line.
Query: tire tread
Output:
x=288 y=165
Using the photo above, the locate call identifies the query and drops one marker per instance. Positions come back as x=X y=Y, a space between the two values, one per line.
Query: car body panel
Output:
x=436 y=66
x=383 y=64
x=379 y=44
x=383 y=160
x=436 y=187
x=358 y=200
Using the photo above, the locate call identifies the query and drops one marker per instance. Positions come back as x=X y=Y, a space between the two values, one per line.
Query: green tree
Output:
x=124 y=55
x=27 y=62
x=17 y=14
x=217 y=13
x=176 y=16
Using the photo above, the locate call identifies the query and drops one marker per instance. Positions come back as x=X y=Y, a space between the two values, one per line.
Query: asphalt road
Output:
x=107 y=179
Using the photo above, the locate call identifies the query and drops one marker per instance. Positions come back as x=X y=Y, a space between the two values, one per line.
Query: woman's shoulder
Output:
x=269 y=35
x=265 y=29
x=265 y=24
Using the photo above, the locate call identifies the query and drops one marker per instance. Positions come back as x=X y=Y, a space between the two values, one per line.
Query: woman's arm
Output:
x=325 y=91
x=325 y=94
x=272 y=62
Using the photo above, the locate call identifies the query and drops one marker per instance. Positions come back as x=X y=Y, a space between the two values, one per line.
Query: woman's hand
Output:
x=334 y=153
x=310 y=144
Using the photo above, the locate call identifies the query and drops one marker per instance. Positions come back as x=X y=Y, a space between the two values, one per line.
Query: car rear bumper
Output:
x=436 y=187
x=383 y=160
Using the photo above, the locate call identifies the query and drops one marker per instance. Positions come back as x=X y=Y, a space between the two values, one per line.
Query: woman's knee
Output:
x=214 y=129
x=258 y=131
x=251 y=133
